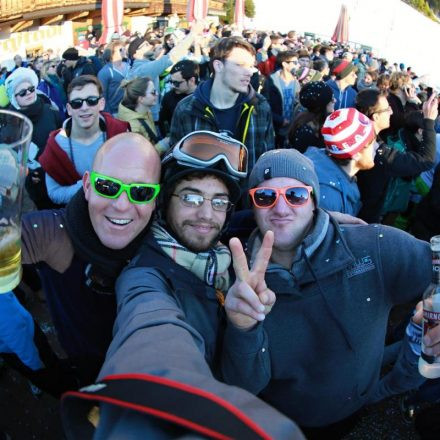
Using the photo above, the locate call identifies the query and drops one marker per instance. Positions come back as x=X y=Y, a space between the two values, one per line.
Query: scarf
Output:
x=33 y=111
x=105 y=263
x=211 y=266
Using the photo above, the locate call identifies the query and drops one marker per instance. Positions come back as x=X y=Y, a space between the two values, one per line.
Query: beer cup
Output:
x=15 y=136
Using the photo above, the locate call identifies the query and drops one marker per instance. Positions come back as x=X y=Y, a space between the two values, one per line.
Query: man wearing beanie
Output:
x=349 y=140
x=316 y=354
x=342 y=86
x=73 y=66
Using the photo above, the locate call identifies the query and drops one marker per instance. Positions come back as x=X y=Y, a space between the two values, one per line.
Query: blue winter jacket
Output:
x=344 y=99
x=17 y=331
x=339 y=192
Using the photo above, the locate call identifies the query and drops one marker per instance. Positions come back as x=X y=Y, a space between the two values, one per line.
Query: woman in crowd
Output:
x=416 y=156
x=402 y=99
x=50 y=85
x=21 y=87
x=305 y=131
x=140 y=96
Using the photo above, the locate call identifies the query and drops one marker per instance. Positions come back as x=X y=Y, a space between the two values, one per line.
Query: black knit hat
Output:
x=71 y=54
x=315 y=96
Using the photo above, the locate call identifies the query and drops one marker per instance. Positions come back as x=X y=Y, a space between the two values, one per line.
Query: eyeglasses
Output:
x=267 y=197
x=24 y=92
x=111 y=188
x=177 y=83
x=205 y=149
x=91 y=101
x=385 y=110
x=196 y=200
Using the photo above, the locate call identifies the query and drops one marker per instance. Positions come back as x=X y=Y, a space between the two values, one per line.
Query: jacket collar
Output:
x=322 y=253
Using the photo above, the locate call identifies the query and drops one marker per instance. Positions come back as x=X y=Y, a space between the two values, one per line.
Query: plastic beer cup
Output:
x=15 y=136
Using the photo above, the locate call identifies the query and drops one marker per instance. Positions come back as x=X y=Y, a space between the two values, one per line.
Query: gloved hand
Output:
x=17 y=331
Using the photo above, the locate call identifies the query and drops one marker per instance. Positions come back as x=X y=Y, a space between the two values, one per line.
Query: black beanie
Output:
x=315 y=95
x=71 y=54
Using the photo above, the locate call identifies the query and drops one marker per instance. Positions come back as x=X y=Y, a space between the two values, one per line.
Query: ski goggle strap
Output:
x=111 y=188
x=206 y=148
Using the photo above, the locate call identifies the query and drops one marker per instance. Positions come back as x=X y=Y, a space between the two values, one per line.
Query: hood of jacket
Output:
x=203 y=95
x=332 y=175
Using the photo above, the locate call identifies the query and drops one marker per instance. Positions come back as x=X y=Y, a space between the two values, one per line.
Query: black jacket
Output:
x=44 y=119
x=390 y=163
x=397 y=119
x=84 y=66
x=153 y=274
x=167 y=107
x=426 y=222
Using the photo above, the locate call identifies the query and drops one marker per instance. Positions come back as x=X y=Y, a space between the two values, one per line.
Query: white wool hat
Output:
x=16 y=78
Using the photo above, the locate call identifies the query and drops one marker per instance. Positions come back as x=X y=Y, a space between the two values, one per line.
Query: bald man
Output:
x=80 y=250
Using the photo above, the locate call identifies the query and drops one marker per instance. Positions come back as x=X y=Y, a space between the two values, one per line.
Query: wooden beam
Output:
x=138 y=12
x=21 y=25
x=75 y=15
x=51 y=20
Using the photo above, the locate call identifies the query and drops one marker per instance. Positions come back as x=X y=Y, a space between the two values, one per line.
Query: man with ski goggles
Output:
x=316 y=353
x=170 y=296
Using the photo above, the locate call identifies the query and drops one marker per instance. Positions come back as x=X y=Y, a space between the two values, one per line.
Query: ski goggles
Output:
x=206 y=148
x=111 y=188
x=267 y=197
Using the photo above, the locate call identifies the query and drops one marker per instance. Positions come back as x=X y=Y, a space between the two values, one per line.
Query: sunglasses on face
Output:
x=267 y=197
x=24 y=92
x=111 y=188
x=176 y=83
x=197 y=200
x=91 y=101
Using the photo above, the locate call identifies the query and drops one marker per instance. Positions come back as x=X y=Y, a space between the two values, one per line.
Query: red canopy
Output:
x=112 y=14
x=340 y=35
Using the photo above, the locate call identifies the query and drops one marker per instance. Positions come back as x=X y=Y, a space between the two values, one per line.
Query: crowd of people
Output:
x=224 y=215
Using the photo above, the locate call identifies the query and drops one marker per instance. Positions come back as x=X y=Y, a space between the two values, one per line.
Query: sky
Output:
x=394 y=30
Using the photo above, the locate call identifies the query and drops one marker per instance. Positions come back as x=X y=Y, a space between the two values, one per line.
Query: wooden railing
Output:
x=9 y=9
x=15 y=9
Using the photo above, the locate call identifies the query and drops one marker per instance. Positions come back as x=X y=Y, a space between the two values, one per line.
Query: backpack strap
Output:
x=168 y=400
x=153 y=137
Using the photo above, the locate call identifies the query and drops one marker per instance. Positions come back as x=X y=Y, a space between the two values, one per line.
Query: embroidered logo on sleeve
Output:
x=361 y=266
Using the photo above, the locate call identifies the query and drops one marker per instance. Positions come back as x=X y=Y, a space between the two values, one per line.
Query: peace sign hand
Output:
x=249 y=299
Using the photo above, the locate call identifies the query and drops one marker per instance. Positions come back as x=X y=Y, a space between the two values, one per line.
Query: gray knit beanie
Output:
x=285 y=163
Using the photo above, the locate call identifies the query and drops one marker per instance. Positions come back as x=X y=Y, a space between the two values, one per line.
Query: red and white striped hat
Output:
x=346 y=131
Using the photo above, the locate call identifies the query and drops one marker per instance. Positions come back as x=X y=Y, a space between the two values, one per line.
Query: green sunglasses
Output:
x=111 y=188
